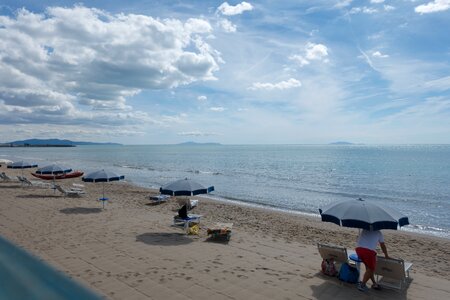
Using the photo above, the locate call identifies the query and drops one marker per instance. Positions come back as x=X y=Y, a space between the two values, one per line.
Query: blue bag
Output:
x=348 y=273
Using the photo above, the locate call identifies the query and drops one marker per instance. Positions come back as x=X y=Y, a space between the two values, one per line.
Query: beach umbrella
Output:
x=53 y=169
x=102 y=176
x=185 y=187
x=22 y=165
x=363 y=214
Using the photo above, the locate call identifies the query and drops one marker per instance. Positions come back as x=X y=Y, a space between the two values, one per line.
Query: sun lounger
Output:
x=159 y=198
x=33 y=183
x=337 y=253
x=392 y=273
x=220 y=231
x=69 y=193
x=77 y=187
x=5 y=177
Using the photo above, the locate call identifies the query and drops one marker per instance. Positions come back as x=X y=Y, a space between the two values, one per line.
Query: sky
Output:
x=236 y=72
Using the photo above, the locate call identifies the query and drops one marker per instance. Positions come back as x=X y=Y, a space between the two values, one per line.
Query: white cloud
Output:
x=434 y=6
x=229 y=10
x=227 y=26
x=317 y=52
x=79 y=64
x=379 y=54
x=217 y=109
x=376 y=1
x=202 y=98
x=388 y=7
x=364 y=10
x=343 y=3
x=441 y=84
x=282 y=85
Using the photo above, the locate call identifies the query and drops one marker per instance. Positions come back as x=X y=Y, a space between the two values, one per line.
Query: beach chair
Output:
x=6 y=177
x=336 y=253
x=392 y=273
x=77 y=187
x=24 y=180
x=33 y=183
x=69 y=193
x=158 y=199
x=185 y=219
x=332 y=256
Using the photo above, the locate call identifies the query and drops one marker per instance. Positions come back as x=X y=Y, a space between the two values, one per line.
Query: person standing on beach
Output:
x=366 y=251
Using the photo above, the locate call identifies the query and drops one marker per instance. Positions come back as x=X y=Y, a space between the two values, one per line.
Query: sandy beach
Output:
x=130 y=250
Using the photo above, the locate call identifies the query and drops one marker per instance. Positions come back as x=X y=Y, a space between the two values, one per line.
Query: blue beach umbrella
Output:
x=185 y=187
x=364 y=215
x=102 y=176
x=22 y=165
x=53 y=169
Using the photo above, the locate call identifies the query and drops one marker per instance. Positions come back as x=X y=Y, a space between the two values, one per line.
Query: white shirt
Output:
x=370 y=239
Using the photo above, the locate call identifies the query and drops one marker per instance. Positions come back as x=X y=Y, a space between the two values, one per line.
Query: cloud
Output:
x=218 y=108
x=379 y=54
x=364 y=10
x=229 y=10
x=227 y=26
x=283 y=85
x=432 y=7
x=80 y=65
x=202 y=98
x=312 y=51
x=343 y=3
x=376 y=1
x=441 y=84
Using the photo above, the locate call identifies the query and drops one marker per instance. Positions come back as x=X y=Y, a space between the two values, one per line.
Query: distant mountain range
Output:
x=195 y=143
x=56 y=142
x=341 y=143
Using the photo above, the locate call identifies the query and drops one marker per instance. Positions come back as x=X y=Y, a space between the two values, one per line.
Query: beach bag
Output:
x=348 y=273
x=194 y=229
x=329 y=267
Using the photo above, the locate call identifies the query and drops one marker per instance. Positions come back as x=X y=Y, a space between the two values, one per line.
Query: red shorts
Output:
x=369 y=257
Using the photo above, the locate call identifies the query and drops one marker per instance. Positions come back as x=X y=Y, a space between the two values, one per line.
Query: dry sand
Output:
x=130 y=250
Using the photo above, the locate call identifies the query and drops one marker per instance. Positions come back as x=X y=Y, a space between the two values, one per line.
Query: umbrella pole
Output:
x=103 y=198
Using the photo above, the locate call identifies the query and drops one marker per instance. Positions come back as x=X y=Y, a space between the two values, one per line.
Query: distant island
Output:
x=341 y=143
x=51 y=143
x=197 y=144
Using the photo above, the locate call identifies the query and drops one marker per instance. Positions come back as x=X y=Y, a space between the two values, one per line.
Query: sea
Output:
x=300 y=179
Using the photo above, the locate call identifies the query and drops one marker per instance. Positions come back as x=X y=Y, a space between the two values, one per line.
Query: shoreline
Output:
x=411 y=229
x=131 y=250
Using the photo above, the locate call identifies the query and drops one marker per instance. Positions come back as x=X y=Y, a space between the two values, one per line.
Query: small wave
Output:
x=203 y=172
x=128 y=167
x=429 y=230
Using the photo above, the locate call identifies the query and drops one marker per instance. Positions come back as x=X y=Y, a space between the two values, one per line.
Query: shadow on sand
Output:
x=333 y=288
x=14 y=186
x=81 y=210
x=164 y=238
x=38 y=196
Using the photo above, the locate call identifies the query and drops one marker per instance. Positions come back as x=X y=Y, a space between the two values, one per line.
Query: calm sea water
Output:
x=415 y=179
